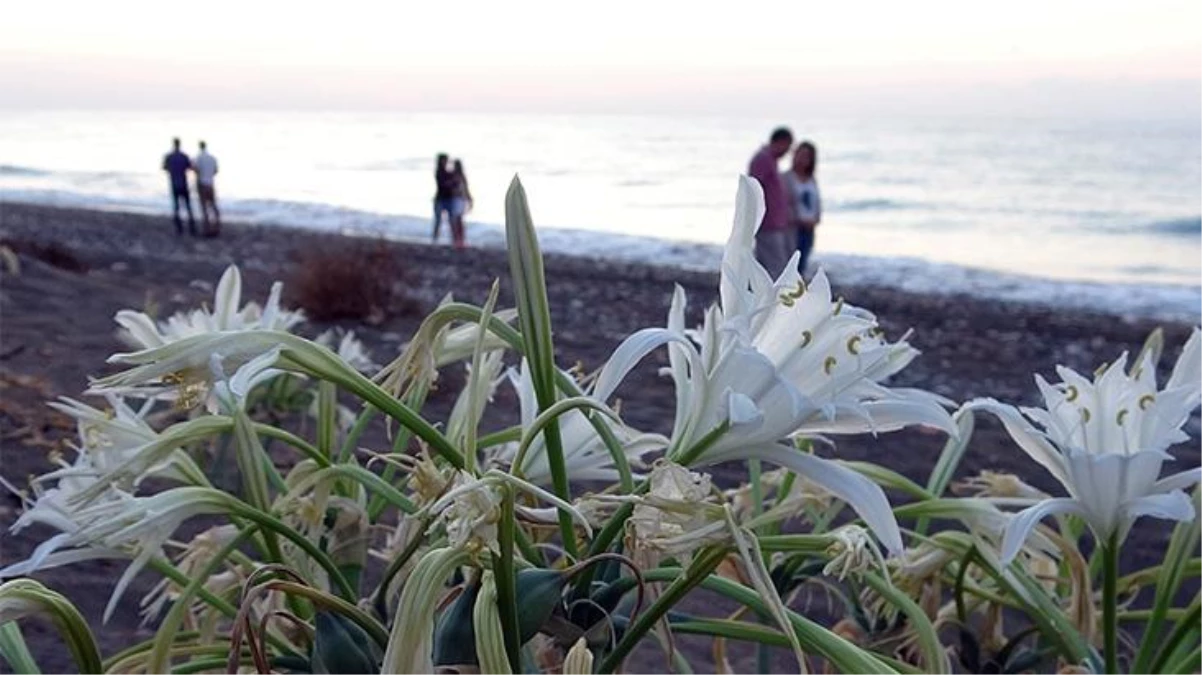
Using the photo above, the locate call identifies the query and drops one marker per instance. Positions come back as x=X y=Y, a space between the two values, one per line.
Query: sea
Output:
x=1074 y=213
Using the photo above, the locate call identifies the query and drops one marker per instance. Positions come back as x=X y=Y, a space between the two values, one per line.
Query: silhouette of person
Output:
x=176 y=164
x=773 y=245
x=461 y=203
x=205 y=167
x=805 y=201
x=444 y=190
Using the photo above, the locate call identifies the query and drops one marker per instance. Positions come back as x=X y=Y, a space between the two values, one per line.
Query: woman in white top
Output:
x=805 y=203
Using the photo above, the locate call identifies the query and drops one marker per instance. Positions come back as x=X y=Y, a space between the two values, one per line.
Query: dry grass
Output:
x=51 y=253
x=361 y=280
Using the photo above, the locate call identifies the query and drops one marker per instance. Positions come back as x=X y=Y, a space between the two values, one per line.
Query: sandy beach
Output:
x=56 y=330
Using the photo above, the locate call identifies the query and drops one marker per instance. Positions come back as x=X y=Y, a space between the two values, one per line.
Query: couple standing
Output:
x=177 y=165
x=792 y=205
x=451 y=197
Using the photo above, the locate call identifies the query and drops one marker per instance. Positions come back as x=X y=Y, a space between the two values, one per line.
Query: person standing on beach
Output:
x=177 y=164
x=205 y=167
x=805 y=203
x=444 y=189
x=461 y=203
x=773 y=245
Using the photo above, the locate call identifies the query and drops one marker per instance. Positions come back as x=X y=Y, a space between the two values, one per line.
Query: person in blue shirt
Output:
x=177 y=164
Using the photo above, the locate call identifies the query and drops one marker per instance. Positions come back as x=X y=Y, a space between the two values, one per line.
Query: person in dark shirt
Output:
x=177 y=165
x=444 y=192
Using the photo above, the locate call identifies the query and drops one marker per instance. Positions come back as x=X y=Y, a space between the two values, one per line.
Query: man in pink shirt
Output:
x=773 y=245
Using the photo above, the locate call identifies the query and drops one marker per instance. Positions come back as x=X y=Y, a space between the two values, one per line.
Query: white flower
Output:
x=471 y=514
x=853 y=552
x=122 y=525
x=183 y=370
x=471 y=508
x=141 y=332
x=778 y=359
x=349 y=348
x=110 y=438
x=233 y=391
x=585 y=454
x=679 y=513
x=1106 y=442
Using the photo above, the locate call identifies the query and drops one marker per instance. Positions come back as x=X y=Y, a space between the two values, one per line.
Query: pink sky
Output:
x=923 y=57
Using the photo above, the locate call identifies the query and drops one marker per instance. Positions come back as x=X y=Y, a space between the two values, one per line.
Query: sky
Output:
x=1021 y=57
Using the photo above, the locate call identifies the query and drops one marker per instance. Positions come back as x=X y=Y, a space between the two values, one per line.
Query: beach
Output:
x=78 y=267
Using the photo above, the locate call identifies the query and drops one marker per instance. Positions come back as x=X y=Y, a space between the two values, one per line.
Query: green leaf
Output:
x=534 y=321
x=1176 y=558
x=340 y=646
x=25 y=597
x=14 y=651
x=949 y=459
x=455 y=634
x=505 y=577
x=486 y=620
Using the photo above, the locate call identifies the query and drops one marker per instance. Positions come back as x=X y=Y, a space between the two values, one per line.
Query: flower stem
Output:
x=505 y=573
x=705 y=563
x=1110 y=627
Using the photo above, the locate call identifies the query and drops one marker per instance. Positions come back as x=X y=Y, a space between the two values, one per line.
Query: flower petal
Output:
x=1021 y=523
x=1026 y=436
x=888 y=415
x=229 y=295
x=632 y=350
x=862 y=495
x=141 y=328
x=1178 y=481
x=1173 y=505
x=1189 y=364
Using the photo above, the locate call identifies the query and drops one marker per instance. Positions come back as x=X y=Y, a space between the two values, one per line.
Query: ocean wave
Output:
x=402 y=164
x=1188 y=227
x=12 y=170
x=1161 y=301
x=878 y=204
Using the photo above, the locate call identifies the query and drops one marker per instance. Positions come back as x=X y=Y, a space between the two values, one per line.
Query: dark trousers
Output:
x=805 y=244
x=178 y=196
x=208 y=202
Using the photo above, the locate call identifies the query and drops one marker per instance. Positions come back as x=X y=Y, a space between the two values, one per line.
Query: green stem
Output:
x=415 y=400
x=1110 y=624
x=506 y=579
x=165 y=636
x=1186 y=624
x=705 y=563
x=269 y=522
x=394 y=567
x=296 y=442
x=356 y=432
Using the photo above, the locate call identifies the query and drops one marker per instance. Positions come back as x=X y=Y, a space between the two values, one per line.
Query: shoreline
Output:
x=1125 y=300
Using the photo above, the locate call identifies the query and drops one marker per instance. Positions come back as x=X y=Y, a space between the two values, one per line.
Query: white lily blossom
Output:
x=348 y=348
x=585 y=454
x=142 y=332
x=123 y=526
x=470 y=510
x=777 y=359
x=109 y=438
x=678 y=515
x=1106 y=441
